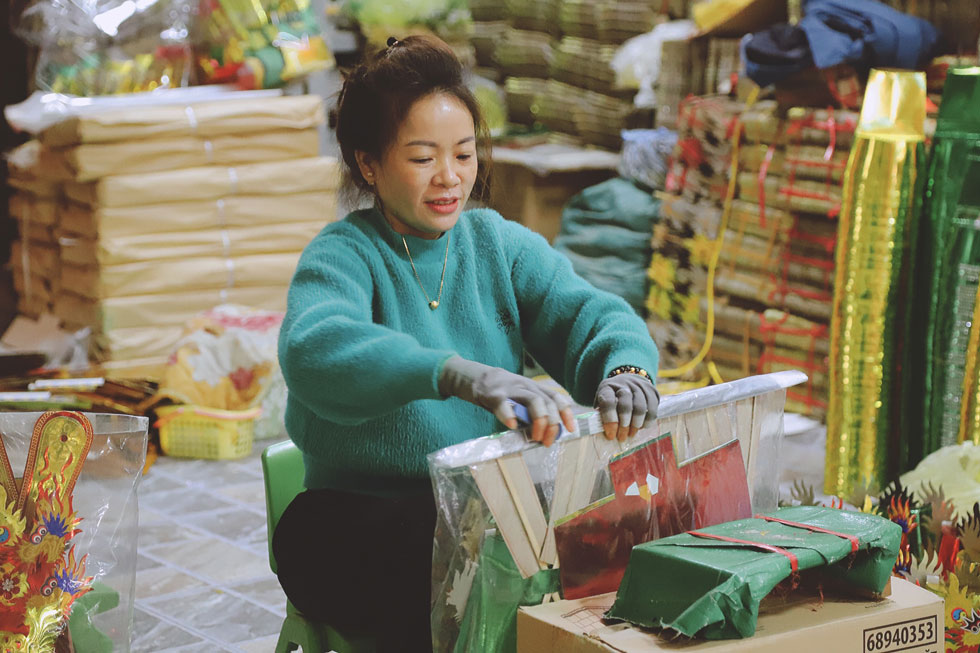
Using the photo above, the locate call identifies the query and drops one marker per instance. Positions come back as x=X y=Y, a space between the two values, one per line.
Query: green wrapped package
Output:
x=701 y=586
x=490 y=622
x=946 y=271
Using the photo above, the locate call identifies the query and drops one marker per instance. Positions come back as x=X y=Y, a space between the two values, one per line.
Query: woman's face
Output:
x=426 y=175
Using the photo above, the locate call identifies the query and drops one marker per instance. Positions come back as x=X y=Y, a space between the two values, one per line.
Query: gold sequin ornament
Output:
x=872 y=249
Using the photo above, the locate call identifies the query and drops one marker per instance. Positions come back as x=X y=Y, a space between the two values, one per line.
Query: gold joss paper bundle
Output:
x=876 y=220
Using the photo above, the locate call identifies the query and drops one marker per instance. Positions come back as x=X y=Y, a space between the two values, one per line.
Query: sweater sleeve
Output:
x=334 y=358
x=577 y=332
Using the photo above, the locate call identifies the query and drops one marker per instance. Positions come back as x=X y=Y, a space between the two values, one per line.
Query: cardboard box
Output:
x=910 y=620
x=536 y=200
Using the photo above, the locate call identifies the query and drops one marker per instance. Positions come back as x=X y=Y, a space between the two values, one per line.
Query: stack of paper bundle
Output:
x=772 y=283
x=684 y=240
x=700 y=167
x=34 y=256
x=682 y=244
x=722 y=66
x=553 y=59
x=778 y=257
x=175 y=209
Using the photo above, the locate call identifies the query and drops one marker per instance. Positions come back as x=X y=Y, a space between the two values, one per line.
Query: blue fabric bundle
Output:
x=864 y=33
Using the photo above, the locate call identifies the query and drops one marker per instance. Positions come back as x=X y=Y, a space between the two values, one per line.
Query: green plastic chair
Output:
x=282 y=469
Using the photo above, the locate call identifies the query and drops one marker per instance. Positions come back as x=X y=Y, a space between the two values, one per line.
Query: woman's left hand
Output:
x=626 y=403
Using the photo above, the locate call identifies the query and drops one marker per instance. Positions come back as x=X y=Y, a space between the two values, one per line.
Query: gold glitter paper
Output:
x=872 y=248
x=970 y=407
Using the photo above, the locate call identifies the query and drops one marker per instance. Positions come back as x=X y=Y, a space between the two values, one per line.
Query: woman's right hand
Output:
x=490 y=388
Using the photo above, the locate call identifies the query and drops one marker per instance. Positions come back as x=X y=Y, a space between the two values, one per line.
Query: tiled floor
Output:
x=203 y=581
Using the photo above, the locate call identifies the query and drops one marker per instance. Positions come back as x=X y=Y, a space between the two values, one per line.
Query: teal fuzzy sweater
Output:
x=361 y=351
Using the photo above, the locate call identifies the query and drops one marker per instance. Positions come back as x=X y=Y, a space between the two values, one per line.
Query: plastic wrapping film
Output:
x=508 y=509
x=260 y=44
x=109 y=46
x=105 y=498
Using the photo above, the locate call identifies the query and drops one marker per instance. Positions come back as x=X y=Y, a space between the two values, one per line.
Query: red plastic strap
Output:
x=691 y=152
x=829 y=243
x=794 y=362
x=792 y=192
x=855 y=543
x=808 y=399
x=794 y=563
x=782 y=289
x=819 y=263
x=816 y=331
x=809 y=163
x=730 y=128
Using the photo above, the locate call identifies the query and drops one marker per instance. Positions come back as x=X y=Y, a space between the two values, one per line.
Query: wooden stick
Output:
x=507 y=498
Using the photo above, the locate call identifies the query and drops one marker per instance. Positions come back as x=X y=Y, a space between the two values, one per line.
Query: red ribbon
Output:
x=855 y=543
x=794 y=563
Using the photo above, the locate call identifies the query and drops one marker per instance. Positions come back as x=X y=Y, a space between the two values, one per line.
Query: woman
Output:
x=405 y=332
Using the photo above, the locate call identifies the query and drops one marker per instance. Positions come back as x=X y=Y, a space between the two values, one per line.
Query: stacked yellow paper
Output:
x=170 y=211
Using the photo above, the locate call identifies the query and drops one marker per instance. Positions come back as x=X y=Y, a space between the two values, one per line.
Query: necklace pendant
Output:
x=433 y=304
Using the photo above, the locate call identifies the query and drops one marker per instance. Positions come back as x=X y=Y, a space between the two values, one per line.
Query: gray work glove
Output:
x=626 y=403
x=490 y=388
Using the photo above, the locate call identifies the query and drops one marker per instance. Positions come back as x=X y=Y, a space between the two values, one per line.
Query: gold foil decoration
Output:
x=872 y=251
x=59 y=445
x=970 y=406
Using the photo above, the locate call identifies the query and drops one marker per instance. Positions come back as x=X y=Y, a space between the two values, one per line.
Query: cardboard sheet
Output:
x=174 y=309
x=134 y=368
x=90 y=162
x=136 y=343
x=41 y=292
x=42 y=260
x=277 y=178
x=157 y=277
x=232 y=242
x=25 y=173
x=38 y=233
x=33 y=209
x=230 y=212
x=201 y=119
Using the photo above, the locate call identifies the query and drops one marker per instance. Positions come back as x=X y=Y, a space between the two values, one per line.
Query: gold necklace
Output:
x=433 y=303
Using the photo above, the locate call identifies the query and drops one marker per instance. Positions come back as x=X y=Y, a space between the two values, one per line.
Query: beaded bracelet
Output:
x=630 y=369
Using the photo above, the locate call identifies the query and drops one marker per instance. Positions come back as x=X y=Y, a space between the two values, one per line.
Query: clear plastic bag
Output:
x=105 y=497
x=105 y=47
x=646 y=155
x=227 y=360
x=509 y=509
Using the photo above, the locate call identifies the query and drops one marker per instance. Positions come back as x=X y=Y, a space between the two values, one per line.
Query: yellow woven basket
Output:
x=189 y=431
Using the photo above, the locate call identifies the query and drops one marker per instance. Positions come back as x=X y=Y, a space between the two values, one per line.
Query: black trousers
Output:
x=362 y=564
